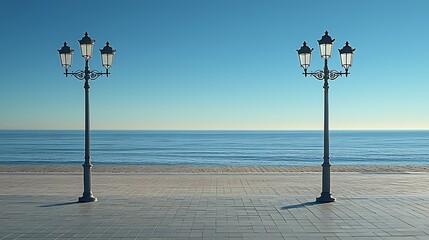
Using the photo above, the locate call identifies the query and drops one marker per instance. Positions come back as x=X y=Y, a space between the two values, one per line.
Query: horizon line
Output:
x=225 y=130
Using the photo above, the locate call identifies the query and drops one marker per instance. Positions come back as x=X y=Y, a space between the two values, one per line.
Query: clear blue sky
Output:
x=218 y=64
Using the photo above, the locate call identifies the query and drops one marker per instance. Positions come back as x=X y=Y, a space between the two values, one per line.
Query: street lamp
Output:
x=66 y=56
x=346 y=54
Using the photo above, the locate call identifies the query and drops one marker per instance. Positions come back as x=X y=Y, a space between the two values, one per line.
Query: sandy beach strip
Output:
x=179 y=169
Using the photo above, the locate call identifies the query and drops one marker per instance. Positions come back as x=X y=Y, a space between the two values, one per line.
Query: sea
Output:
x=216 y=148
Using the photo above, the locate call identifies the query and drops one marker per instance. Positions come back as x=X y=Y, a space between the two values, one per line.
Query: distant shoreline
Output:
x=214 y=130
x=188 y=169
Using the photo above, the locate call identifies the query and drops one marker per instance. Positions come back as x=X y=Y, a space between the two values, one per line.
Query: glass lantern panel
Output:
x=69 y=58
x=104 y=60
x=325 y=50
x=66 y=59
x=107 y=60
x=86 y=50
x=63 y=59
x=346 y=60
x=304 y=60
x=110 y=59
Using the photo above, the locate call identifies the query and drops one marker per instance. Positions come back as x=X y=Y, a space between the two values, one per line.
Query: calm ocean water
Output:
x=216 y=147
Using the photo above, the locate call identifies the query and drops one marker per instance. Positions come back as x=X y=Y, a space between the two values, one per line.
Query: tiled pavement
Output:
x=215 y=206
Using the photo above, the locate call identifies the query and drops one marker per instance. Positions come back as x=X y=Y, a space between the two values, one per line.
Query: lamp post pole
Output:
x=346 y=54
x=87 y=195
x=326 y=166
x=66 y=55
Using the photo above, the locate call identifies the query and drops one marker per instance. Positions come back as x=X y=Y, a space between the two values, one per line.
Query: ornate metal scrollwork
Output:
x=334 y=74
x=78 y=74
x=94 y=74
x=318 y=74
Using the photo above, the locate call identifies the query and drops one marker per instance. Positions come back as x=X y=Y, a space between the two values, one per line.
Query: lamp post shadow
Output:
x=301 y=205
x=59 y=204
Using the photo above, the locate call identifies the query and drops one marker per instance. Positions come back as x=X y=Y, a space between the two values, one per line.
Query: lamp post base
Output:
x=89 y=198
x=325 y=198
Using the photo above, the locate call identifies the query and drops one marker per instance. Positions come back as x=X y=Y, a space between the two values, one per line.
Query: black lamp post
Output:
x=346 y=54
x=66 y=56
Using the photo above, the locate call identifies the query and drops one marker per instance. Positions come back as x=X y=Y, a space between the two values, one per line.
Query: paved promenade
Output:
x=215 y=206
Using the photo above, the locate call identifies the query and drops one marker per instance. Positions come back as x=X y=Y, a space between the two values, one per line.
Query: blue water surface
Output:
x=216 y=147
